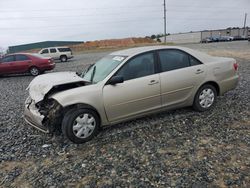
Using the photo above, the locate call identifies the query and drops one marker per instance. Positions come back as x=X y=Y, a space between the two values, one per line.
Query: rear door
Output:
x=66 y=51
x=22 y=63
x=7 y=64
x=139 y=93
x=180 y=75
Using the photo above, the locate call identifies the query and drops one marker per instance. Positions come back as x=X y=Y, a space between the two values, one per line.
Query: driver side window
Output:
x=140 y=66
x=45 y=51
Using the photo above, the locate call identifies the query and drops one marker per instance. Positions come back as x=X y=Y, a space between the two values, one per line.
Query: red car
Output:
x=25 y=63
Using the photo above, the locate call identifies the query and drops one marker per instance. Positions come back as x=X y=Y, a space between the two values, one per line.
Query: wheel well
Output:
x=217 y=87
x=79 y=105
x=63 y=56
x=33 y=66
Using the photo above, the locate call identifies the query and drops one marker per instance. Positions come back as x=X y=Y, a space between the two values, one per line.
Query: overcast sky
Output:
x=26 y=21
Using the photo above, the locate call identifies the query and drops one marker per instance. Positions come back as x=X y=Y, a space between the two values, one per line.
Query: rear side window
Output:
x=8 y=59
x=45 y=51
x=173 y=59
x=21 y=58
x=52 y=50
x=64 y=49
x=140 y=66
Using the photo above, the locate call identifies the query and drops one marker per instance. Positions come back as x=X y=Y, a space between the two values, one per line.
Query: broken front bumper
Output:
x=33 y=117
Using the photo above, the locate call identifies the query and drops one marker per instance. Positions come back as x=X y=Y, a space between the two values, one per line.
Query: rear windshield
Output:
x=64 y=49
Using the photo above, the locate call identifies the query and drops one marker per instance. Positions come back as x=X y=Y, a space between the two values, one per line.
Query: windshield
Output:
x=102 y=68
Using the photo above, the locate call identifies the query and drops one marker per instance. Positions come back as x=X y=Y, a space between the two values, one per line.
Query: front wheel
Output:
x=80 y=125
x=205 y=98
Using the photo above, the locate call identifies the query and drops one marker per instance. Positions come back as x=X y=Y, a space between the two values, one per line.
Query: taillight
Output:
x=236 y=66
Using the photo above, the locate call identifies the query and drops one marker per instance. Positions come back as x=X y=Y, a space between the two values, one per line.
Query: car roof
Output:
x=29 y=54
x=138 y=50
x=19 y=54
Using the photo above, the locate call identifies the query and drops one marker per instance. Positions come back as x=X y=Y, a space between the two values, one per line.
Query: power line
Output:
x=225 y=8
x=81 y=9
x=122 y=21
x=71 y=16
x=87 y=24
x=103 y=14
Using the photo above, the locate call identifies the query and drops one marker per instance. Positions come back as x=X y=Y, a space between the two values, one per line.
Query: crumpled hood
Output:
x=42 y=84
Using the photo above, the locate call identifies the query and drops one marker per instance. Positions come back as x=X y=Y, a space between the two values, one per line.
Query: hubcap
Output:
x=34 y=71
x=206 y=98
x=84 y=125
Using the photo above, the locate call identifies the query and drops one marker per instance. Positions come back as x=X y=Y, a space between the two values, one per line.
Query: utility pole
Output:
x=165 y=22
x=245 y=24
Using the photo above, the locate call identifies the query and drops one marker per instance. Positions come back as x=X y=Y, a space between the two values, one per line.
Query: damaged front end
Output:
x=43 y=112
x=45 y=115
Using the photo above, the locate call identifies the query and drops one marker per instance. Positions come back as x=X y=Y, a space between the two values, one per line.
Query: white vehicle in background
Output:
x=57 y=53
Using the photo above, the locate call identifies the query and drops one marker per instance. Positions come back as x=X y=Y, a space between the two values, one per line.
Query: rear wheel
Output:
x=34 y=71
x=205 y=98
x=63 y=58
x=80 y=125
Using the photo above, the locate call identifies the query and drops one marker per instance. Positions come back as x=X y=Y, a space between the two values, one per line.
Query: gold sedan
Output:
x=125 y=85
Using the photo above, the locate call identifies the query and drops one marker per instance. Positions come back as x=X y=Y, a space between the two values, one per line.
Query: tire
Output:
x=205 y=98
x=63 y=58
x=34 y=71
x=77 y=119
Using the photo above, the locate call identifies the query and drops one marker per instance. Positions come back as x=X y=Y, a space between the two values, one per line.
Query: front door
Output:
x=139 y=93
x=45 y=52
x=7 y=64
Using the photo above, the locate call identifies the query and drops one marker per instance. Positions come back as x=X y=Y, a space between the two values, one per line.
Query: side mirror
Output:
x=115 y=80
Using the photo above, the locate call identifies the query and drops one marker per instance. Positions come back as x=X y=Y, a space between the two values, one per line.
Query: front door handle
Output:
x=152 y=82
x=199 y=71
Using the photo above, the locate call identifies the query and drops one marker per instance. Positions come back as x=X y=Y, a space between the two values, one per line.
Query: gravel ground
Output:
x=179 y=148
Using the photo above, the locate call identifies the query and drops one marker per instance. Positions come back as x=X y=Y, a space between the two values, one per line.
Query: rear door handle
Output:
x=199 y=71
x=152 y=82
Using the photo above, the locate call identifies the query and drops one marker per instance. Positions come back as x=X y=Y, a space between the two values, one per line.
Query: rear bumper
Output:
x=50 y=66
x=229 y=84
x=33 y=117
